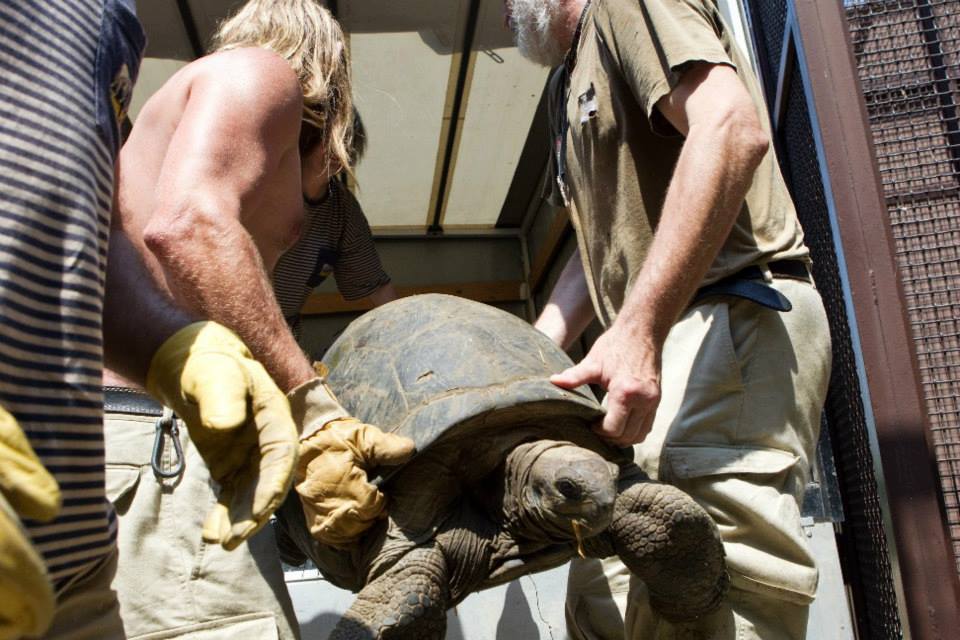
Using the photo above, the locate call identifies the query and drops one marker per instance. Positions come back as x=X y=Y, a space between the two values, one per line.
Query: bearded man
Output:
x=716 y=352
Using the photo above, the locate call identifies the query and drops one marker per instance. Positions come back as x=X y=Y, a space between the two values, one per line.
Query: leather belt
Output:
x=124 y=400
x=749 y=283
x=796 y=269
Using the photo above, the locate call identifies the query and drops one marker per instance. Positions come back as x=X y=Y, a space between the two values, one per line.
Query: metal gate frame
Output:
x=816 y=36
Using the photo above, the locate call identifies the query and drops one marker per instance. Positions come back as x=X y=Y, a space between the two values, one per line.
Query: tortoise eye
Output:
x=569 y=489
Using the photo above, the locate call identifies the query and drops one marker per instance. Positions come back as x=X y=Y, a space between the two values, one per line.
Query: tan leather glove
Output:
x=26 y=490
x=237 y=418
x=336 y=451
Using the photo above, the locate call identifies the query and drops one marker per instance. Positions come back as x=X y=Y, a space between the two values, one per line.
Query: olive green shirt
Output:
x=621 y=152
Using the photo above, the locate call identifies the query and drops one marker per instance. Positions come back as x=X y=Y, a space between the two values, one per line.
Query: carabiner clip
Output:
x=166 y=425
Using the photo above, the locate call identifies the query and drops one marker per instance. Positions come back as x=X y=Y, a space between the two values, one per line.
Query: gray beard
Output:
x=533 y=22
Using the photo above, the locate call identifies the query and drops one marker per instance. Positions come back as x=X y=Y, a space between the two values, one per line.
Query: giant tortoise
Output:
x=508 y=478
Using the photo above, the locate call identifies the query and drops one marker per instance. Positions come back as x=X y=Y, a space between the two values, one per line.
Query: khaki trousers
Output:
x=742 y=391
x=169 y=582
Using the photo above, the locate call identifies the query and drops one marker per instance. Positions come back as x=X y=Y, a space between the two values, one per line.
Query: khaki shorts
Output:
x=169 y=582
x=742 y=391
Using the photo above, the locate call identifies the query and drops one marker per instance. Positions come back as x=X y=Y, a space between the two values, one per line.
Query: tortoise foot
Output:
x=670 y=542
x=408 y=602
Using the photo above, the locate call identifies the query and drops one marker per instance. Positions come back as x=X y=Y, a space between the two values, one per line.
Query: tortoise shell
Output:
x=435 y=367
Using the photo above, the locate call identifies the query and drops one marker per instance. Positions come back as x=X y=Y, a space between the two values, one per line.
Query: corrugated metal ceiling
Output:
x=445 y=131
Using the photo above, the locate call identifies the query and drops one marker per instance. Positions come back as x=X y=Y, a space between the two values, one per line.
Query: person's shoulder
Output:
x=252 y=78
x=347 y=201
x=622 y=7
x=644 y=7
x=625 y=19
x=340 y=191
x=623 y=12
x=608 y=17
x=249 y=62
x=608 y=7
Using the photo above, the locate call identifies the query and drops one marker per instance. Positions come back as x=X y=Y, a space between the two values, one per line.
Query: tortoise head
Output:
x=559 y=491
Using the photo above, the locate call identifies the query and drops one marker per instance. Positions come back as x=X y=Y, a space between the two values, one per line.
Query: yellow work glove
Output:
x=26 y=490
x=237 y=418
x=336 y=451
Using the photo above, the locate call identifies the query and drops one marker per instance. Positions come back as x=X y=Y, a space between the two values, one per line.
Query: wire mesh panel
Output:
x=908 y=59
x=863 y=542
x=772 y=15
x=865 y=553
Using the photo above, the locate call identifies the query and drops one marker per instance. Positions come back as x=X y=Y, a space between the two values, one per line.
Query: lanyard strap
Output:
x=560 y=140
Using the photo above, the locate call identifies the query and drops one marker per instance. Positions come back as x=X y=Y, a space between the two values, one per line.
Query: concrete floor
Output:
x=532 y=607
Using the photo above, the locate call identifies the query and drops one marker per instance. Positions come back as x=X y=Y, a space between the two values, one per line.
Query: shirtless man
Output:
x=211 y=188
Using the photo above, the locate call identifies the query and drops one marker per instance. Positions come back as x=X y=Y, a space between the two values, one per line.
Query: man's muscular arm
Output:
x=232 y=160
x=238 y=133
x=724 y=145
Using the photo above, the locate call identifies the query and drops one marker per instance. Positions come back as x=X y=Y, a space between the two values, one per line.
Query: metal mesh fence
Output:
x=863 y=543
x=908 y=60
x=864 y=549
x=772 y=14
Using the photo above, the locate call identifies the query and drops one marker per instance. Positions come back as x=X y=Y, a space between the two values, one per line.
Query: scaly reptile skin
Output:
x=669 y=541
x=407 y=602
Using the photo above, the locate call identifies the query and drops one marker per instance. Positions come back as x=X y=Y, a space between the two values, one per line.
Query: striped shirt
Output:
x=336 y=240
x=66 y=70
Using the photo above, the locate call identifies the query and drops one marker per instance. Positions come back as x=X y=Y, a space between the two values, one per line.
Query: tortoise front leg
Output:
x=407 y=602
x=671 y=543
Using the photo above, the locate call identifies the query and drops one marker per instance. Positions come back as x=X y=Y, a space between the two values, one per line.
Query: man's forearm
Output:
x=217 y=269
x=705 y=196
x=137 y=316
x=569 y=309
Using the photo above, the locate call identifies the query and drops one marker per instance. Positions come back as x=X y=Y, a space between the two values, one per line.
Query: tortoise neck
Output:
x=524 y=514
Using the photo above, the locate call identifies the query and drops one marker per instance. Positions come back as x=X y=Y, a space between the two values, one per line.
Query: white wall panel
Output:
x=399 y=87
x=503 y=97
x=402 y=52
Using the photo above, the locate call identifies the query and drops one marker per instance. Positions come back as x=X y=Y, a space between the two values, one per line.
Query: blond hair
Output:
x=305 y=34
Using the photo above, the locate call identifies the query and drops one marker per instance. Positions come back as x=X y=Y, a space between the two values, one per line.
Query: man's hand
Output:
x=26 y=490
x=628 y=367
x=238 y=419
x=336 y=452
